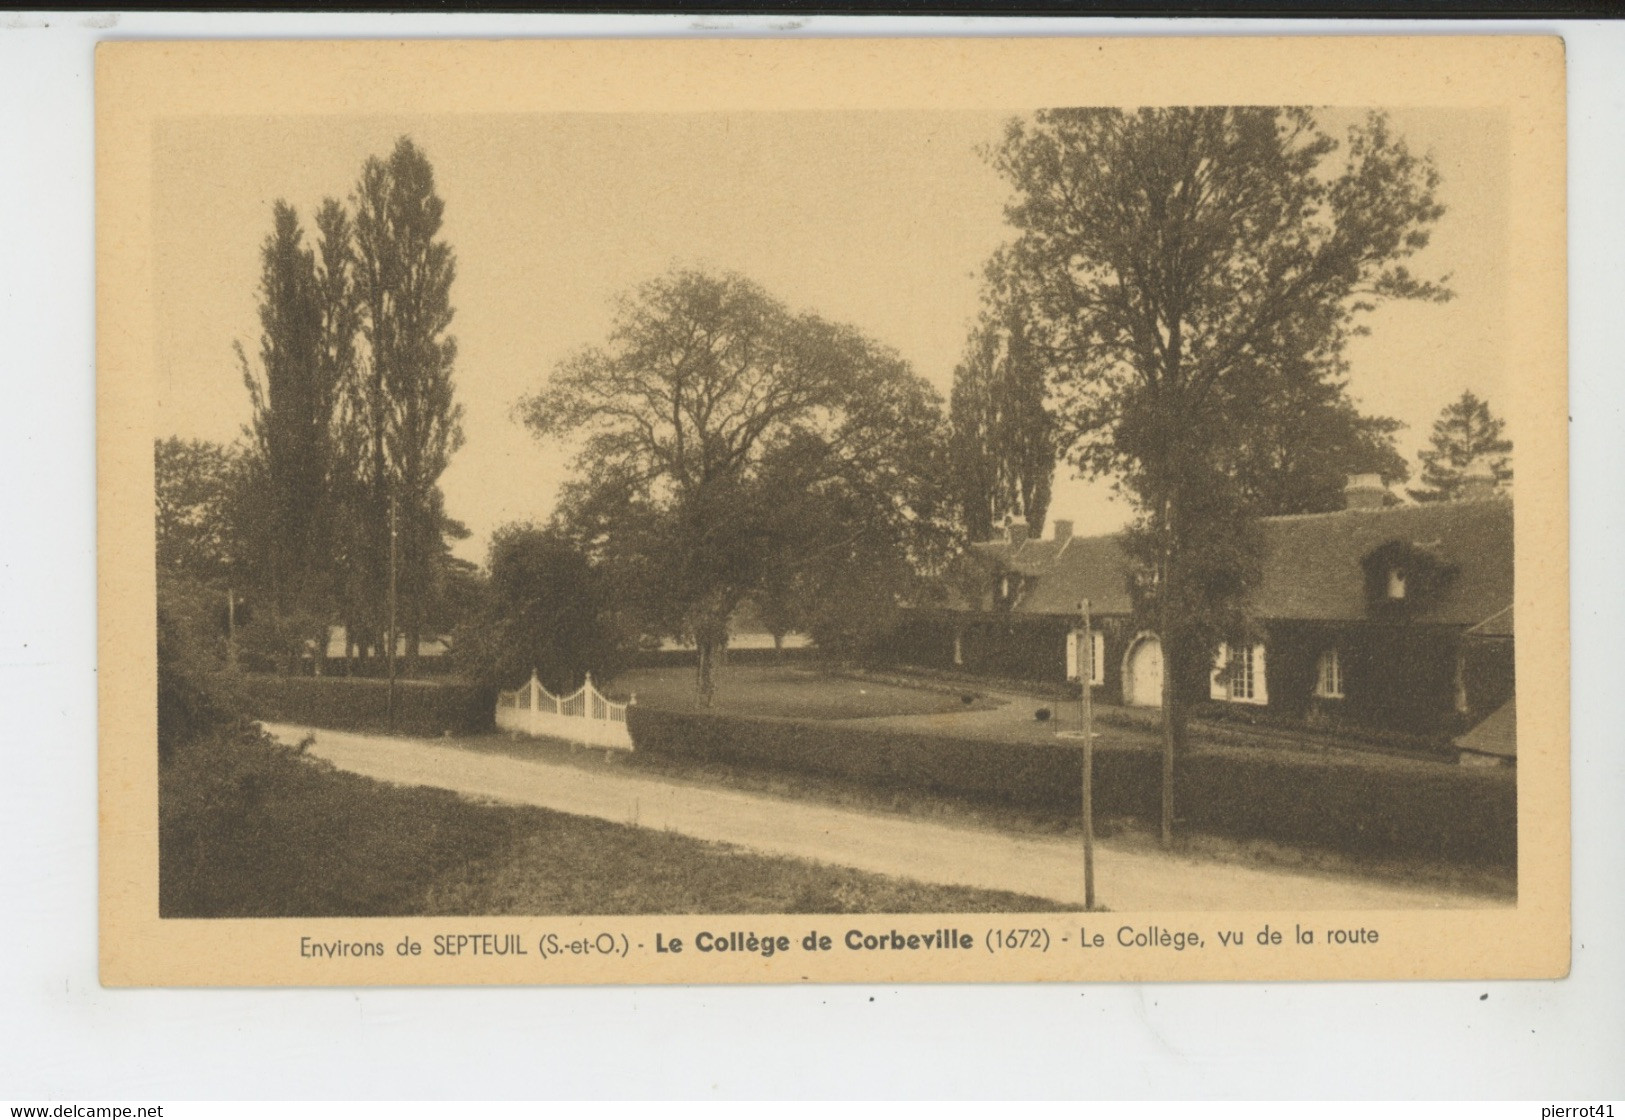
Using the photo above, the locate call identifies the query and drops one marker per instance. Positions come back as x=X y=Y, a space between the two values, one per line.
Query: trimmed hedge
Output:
x=362 y=704
x=1362 y=805
x=669 y=658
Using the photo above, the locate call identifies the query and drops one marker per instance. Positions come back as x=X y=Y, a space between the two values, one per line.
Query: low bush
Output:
x=194 y=697
x=247 y=828
x=1246 y=716
x=362 y=704
x=1369 y=806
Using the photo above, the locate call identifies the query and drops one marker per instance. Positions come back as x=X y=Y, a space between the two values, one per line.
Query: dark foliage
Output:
x=294 y=395
x=194 y=698
x=1422 y=574
x=362 y=704
x=547 y=609
x=1003 y=437
x=734 y=448
x=402 y=409
x=1467 y=437
x=201 y=495
x=249 y=829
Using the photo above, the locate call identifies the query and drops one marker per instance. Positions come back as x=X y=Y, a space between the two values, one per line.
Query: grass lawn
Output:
x=251 y=829
x=788 y=692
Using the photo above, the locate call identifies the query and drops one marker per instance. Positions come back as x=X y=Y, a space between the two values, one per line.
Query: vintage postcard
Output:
x=832 y=510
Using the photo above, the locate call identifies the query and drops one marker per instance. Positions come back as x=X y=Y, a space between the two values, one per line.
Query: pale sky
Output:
x=879 y=219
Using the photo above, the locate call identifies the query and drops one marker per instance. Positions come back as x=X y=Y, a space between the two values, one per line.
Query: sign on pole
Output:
x=1086 y=674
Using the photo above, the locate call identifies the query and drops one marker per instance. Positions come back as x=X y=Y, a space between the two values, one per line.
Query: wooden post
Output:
x=1086 y=673
x=389 y=717
x=231 y=629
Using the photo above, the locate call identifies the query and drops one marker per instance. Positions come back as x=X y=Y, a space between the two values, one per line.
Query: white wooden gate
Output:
x=585 y=716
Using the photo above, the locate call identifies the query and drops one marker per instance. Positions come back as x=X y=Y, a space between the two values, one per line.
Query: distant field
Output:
x=787 y=692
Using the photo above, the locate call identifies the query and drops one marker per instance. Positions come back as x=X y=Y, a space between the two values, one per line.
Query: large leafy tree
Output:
x=710 y=409
x=1296 y=450
x=405 y=419
x=545 y=609
x=199 y=499
x=1003 y=435
x=1183 y=269
x=1466 y=436
x=844 y=546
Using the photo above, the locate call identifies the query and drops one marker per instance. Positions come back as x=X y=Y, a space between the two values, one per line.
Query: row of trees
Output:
x=332 y=503
x=1173 y=316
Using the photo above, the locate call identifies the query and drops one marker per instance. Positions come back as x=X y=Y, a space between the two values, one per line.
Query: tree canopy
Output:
x=294 y=395
x=353 y=415
x=198 y=487
x=716 y=430
x=1189 y=274
x=1466 y=437
x=1298 y=448
x=545 y=609
x=403 y=398
x=1004 y=451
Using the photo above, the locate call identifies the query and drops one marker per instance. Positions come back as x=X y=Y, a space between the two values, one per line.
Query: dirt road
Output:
x=887 y=845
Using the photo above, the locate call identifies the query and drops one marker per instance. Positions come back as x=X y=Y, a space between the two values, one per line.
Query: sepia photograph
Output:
x=926 y=541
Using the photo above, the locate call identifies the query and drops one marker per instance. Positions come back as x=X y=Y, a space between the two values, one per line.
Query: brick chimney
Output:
x=1063 y=531
x=1015 y=530
x=1365 y=491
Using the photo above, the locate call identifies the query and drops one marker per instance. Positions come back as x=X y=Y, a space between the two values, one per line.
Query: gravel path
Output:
x=884 y=844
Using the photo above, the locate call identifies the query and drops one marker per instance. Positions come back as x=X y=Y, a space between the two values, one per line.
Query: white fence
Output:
x=585 y=716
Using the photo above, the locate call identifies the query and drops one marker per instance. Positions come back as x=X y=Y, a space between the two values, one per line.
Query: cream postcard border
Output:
x=139 y=84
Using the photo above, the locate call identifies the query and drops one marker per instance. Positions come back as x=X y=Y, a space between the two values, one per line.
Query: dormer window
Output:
x=1404 y=577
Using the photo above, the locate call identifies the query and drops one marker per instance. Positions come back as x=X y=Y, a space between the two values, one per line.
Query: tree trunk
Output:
x=1167 y=626
x=706 y=651
x=778 y=647
x=414 y=632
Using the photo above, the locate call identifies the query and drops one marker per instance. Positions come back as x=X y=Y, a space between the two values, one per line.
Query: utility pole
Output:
x=389 y=716
x=1086 y=674
x=231 y=630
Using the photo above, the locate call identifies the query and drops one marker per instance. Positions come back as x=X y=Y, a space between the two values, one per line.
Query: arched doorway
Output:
x=1142 y=672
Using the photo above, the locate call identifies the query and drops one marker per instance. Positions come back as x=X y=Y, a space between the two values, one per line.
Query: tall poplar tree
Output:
x=1003 y=436
x=294 y=395
x=410 y=424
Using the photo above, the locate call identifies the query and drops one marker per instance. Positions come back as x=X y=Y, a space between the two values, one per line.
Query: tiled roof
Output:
x=1092 y=568
x=1312 y=568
